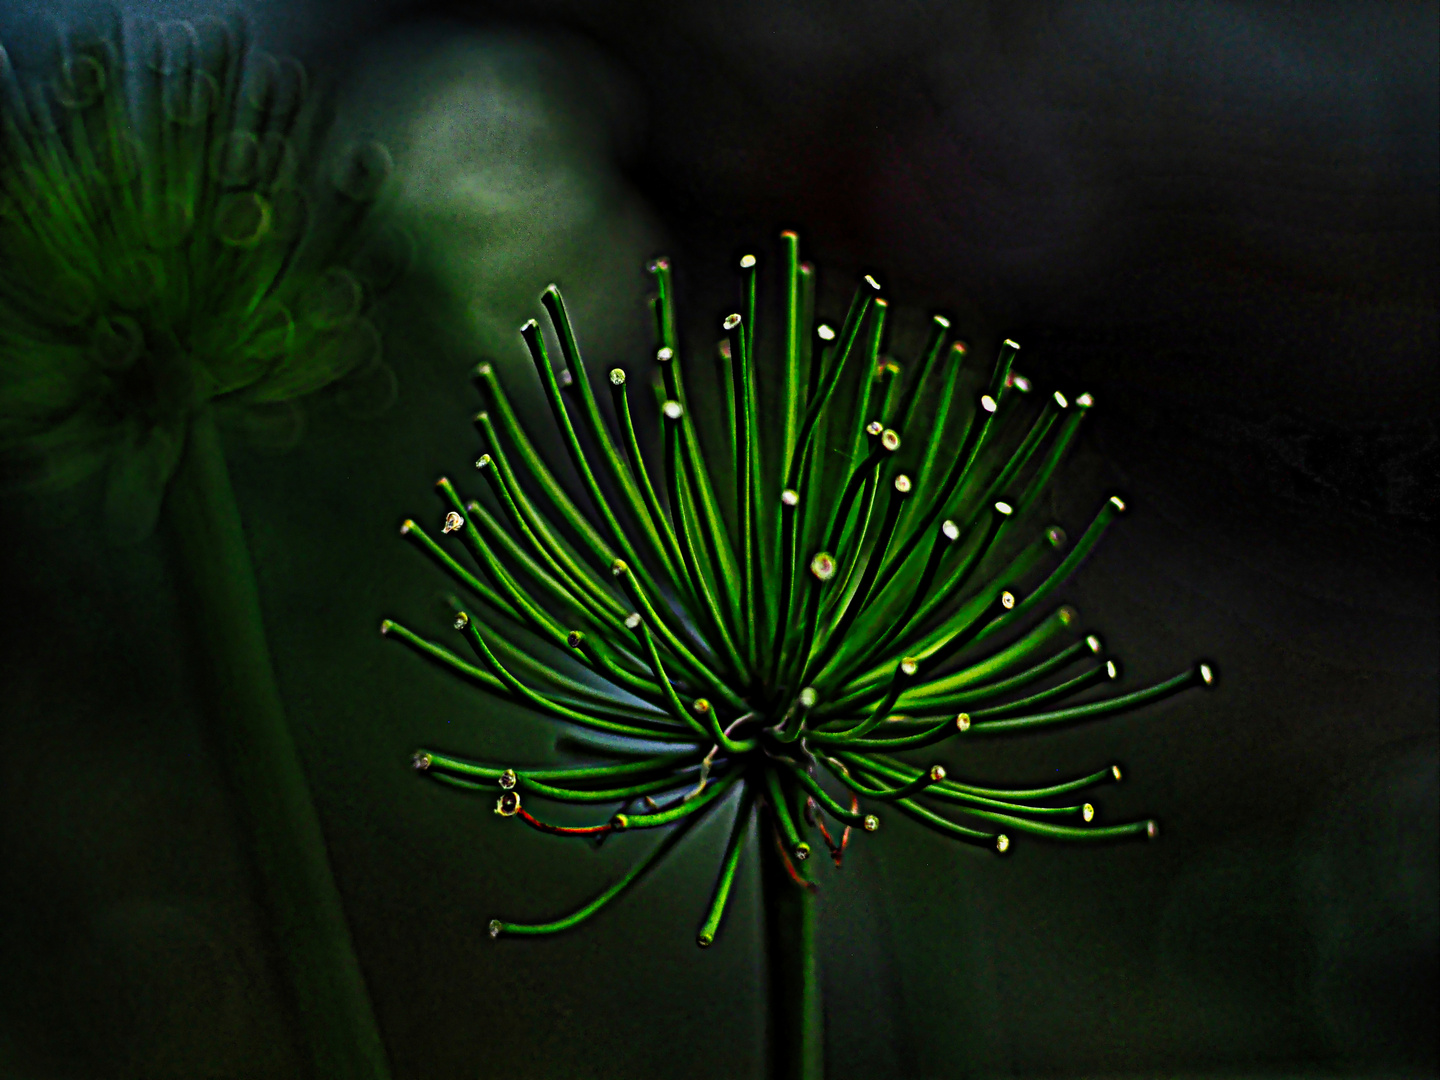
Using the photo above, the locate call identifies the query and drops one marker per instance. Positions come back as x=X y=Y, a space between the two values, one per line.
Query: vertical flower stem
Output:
x=795 y=1033
x=328 y=995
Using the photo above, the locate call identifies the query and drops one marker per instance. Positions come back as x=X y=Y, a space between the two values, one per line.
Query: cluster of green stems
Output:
x=788 y=616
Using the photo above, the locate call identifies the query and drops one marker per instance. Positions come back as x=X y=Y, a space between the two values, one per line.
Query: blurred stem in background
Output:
x=324 y=975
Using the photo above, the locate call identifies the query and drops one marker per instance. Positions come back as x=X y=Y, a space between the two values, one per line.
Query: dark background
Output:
x=1219 y=218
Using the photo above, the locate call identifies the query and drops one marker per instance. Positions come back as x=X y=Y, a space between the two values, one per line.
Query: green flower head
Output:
x=792 y=615
x=168 y=243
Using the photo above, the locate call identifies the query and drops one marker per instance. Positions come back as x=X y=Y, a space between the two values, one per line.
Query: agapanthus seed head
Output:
x=755 y=673
x=170 y=253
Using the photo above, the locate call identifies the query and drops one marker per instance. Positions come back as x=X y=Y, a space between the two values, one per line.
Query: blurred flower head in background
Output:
x=173 y=238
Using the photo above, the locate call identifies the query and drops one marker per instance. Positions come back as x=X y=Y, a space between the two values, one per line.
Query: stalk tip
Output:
x=890 y=439
x=1152 y=829
x=1060 y=400
x=508 y=780
x=665 y=354
x=617 y=376
x=825 y=332
x=1207 y=674
x=950 y=530
x=1118 y=503
x=406 y=526
x=1056 y=536
x=385 y=627
x=802 y=851
x=987 y=403
x=1112 y=669
x=420 y=761
x=731 y=321
x=869 y=280
x=871 y=823
x=508 y=805
x=704 y=939
x=1002 y=843
x=453 y=522
x=747 y=261
x=1085 y=401
x=462 y=620
x=1115 y=772
x=1094 y=644
x=574 y=638
x=962 y=722
x=673 y=410
x=495 y=927
x=823 y=566
x=790 y=497
x=937 y=773
x=1088 y=812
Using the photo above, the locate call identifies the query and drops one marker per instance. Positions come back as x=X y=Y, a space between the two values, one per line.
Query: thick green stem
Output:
x=795 y=1033
x=330 y=1002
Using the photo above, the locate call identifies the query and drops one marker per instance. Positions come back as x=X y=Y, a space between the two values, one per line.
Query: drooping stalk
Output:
x=329 y=999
